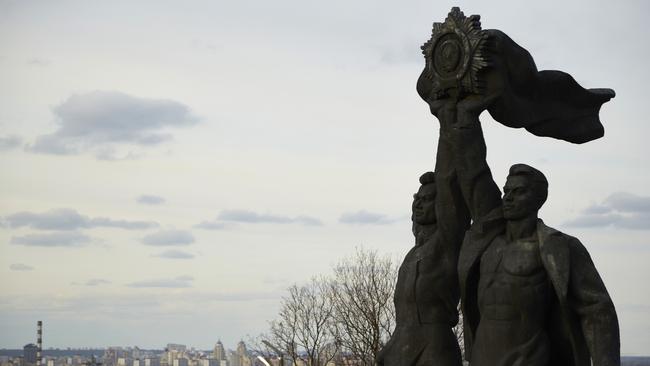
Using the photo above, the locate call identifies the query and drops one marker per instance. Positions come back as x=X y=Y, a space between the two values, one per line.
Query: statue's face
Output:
x=424 y=205
x=519 y=198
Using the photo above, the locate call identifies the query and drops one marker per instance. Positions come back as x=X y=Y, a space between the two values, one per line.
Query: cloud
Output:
x=60 y=239
x=169 y=238
x=620 y=210
x=364 y=217
x=211 y=225
x=97 y=282
x=98 y=121
x=10 y=142
x=20 y=267
x=255 y=218
x=175 y=254
x=178 y=282
x=628 y=202
x=147 y=199
x=37 y=61
x=69 y=219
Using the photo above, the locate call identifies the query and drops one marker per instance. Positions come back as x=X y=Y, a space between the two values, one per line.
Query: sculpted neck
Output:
x=423 y=232
x=521 y=228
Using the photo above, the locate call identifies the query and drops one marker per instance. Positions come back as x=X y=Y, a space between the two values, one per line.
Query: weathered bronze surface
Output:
x=530 y=295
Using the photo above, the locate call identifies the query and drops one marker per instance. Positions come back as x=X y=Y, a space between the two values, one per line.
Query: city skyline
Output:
x=168 y=170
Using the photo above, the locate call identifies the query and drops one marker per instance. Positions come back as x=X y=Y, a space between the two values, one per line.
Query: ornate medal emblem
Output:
x=455 y=54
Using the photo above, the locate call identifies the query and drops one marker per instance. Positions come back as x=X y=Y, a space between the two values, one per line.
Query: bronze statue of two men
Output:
x=530 y=295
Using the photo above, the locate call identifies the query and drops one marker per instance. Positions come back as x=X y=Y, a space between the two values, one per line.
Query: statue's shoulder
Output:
x=550 y=235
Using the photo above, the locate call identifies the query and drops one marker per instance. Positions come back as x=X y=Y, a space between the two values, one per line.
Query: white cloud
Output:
x=169 y=238
x=147 y=199
x=69 y=219
x=20 y=267
x=97 y=121
x=97 y=282
x=10 y=142
x=175 y=254
x=211 y=225
x=252 y=217
x=364 y=217
x=621 y=209
x=57 y=239
x=178 y=282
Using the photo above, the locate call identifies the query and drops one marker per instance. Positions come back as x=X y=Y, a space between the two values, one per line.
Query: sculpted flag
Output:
x=462 y=58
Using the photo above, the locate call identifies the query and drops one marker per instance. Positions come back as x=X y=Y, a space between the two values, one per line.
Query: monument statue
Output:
x=530 y=295
x=426 y=293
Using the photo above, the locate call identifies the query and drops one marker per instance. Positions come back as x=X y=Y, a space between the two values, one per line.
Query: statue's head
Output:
x=525 y=192
x=424 y=201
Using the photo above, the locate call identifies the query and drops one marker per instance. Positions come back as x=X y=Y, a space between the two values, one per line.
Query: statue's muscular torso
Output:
x=513 y=296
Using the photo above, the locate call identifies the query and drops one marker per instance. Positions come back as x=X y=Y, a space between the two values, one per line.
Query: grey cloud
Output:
x=37 y=61
x=256 y=218
x=178 y=282
x=364 y=217
x=60 y=239
x=147 y=199
x=20 y=267
x=211 y=225
x=10 y=142
x=97 y=282
x=620 y=210
x=597 y=210
x=98 y=120
x=175 y=254
x=109 y=154
x=307 y=220
x=628 y=202
x=169 y=238
x=594 y=220
x=69 y=219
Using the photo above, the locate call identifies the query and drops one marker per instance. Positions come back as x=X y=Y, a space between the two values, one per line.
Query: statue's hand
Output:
x=470 y=107
x=445 y=110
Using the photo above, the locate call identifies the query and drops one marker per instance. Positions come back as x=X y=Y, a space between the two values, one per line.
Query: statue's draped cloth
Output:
x=546 y=103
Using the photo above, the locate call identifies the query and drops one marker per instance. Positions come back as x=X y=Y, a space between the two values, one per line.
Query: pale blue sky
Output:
x=170 y=168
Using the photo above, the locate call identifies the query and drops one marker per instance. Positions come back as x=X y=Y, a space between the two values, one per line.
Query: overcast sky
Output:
x=169 y=168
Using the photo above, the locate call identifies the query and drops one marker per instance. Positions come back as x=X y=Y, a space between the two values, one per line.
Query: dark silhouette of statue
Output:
x=426 y=293
x=530 y=295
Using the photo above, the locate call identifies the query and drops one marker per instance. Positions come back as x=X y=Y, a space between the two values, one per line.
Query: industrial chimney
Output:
x=39 y=343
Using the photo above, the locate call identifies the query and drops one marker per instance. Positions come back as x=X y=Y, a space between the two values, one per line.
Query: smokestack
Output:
x=39 y=343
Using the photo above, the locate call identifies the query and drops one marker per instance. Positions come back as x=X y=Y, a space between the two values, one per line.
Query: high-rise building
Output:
x=30 y=354
x=240 y=357
x=219 y=353
x=180 y=362
x=152 y=361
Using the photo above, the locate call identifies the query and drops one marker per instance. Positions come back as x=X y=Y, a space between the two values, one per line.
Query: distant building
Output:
x=180 y=362
x=176 y=347
x=30 y=353
x=209 y=362
x=152 y=362
x=219 y=353
x=241 y=356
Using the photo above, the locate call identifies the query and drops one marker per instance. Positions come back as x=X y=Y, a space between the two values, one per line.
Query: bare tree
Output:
x=361 y=291
x=304 y=326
